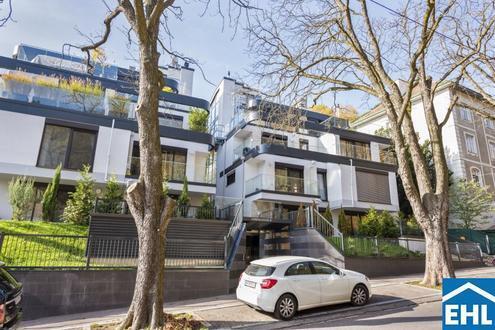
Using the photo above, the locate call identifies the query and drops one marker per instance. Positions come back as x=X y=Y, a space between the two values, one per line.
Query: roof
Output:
x=274 y=261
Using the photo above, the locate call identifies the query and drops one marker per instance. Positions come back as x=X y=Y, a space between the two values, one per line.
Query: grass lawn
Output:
x=43 y=251
x=41 y=227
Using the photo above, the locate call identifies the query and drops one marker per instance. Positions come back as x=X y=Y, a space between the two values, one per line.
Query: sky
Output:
x=52 y=23
x=212 y=42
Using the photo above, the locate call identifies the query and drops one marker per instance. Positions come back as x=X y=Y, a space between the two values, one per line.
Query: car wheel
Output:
x=286 y=307
x=359 y=295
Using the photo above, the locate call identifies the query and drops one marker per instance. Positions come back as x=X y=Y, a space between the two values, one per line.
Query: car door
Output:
x=305 y=284
x=334 y=286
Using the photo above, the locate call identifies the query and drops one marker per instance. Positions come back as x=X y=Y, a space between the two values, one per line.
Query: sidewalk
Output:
x=227 y=312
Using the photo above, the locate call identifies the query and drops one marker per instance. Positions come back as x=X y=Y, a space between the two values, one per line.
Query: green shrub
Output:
x=379 y=224
x=81 y=201
x=183 y=200
x=206 y=210
x=49 y=201
x=21 y=197
x=198 y=119
x=344 y=226
x=113 y=195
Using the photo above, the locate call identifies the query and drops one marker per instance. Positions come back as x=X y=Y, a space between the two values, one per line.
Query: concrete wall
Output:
x=376 y=267
x=49 y=293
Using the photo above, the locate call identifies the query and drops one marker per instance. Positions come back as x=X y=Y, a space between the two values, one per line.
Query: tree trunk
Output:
x=147 y=204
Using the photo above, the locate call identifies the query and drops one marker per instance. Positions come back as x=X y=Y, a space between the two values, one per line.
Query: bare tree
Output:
x=5 y=12
x=150 y=209
x=318 y=47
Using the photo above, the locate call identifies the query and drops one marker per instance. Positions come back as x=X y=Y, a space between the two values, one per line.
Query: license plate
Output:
x=250 y=284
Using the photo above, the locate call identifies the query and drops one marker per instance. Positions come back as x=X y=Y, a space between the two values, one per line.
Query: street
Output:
x=395 y=304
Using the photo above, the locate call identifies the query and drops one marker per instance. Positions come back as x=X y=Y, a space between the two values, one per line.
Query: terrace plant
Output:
x=206 y=209
x=198 y=119
x=119 y=106
x=85 y=94
x=17 y=82
x=21 y=197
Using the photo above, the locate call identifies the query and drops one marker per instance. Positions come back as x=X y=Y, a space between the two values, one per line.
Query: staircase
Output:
x=190 y=243
x=313 y=240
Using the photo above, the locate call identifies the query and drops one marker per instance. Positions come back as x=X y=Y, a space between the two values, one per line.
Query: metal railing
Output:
x=281 y=183
x=25 y=251
x=232 y=239
x=326 y=228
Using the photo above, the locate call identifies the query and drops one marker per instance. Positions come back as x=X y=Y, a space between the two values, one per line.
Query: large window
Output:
x=489 y=123
x=471 y=144
x=71 y=147
x=267 y=138
x=174 y=162
x=372 y=187
x=355 y=149
x=476 y=175
x=289 y=179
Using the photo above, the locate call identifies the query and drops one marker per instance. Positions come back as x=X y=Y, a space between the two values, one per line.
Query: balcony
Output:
x=75 y=95
x=176 y=171
x=280 y=183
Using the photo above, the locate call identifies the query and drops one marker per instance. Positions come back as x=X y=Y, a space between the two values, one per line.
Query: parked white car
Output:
x=285 y=285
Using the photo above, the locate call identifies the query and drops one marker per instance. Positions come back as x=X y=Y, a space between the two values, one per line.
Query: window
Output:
x=491 y=145
x=268 y=138
x=301 y=268
x=71 y=147
x=259 y=270
x=355 y=149
x=476 y=175
x=303 y=144
x=174 y=162
x=230 y=178
x=322 y=185
x=372 y=187
x=324 y=269
x=471 y=144
x=289 y=179
x=466 y=114
x=489 y=123
x=170 y=120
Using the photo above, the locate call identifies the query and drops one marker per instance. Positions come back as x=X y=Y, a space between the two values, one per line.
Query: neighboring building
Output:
x=468 y=135
x=44 y=121
x=277 y=168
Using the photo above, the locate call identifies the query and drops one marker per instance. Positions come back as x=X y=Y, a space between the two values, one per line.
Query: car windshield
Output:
x=259 y=270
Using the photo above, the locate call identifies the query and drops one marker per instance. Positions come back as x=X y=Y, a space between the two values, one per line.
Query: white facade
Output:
x=306 y=152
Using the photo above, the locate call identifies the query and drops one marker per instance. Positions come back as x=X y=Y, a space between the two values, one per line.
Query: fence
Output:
x=83 y=252
x=485 y=238
x=400 y=247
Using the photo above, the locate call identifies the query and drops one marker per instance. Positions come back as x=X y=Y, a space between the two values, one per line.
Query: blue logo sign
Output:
x=468 y=303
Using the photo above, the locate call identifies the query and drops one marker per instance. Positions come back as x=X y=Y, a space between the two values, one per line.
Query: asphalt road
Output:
x=424 y=316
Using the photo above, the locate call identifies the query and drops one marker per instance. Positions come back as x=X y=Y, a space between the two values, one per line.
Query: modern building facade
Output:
x=276 y=165
x=468 y=135
x=52 y=112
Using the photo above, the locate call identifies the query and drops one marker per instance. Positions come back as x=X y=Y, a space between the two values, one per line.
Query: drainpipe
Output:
x=108 y=150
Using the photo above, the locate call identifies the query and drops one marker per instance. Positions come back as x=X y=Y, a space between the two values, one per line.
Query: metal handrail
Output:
x=231 y=238
x=326 y=228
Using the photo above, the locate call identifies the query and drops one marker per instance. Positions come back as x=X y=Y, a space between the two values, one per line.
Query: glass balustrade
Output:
x=281 y=183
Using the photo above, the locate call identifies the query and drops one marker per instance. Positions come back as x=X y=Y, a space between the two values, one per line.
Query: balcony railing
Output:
x=281 y=183
x=241 y=149
x=81 y=96
x=176 y=171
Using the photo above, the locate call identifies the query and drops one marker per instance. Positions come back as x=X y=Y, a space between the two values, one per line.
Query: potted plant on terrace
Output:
x=83 y=95
x=119 y=106
x=17 y=84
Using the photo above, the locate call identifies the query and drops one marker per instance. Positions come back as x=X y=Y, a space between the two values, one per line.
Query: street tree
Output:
x=471 y=205
x=150 y=208
x=318 y=47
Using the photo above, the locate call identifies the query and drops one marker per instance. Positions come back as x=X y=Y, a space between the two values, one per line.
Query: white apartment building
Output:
x=468 y=135
x=275 y=170
x=43 y=124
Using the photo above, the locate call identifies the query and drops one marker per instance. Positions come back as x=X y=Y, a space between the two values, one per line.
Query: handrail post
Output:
x=88 y=251
x=458 y=251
